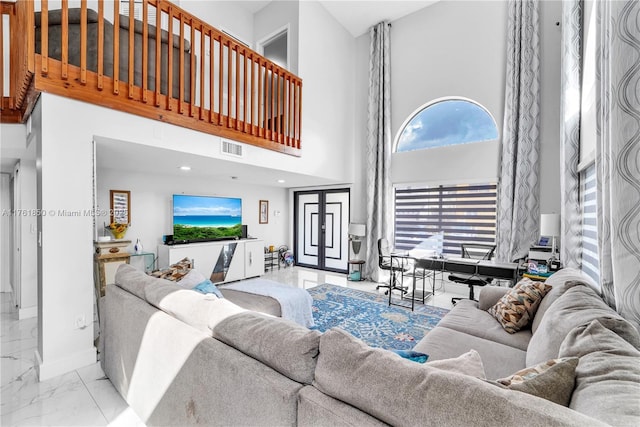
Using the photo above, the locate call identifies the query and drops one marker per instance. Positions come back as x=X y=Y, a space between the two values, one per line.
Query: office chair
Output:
x=473 y=251
x=384 y=262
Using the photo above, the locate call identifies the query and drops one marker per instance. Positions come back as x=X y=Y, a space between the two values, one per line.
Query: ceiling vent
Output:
x=231 y=148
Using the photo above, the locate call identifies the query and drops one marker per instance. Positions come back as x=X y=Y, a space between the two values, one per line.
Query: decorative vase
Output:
x=138 y=246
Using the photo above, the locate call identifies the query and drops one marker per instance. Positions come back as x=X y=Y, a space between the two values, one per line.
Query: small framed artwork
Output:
x=264 y=212
x=120 y=206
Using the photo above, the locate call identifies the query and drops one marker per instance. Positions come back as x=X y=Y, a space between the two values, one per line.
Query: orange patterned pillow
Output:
x=516 y=309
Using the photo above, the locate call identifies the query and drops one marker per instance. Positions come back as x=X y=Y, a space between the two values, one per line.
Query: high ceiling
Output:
x=358 y=15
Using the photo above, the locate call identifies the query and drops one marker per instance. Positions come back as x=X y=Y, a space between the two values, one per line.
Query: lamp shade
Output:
x=357 y=230
x=550 y=224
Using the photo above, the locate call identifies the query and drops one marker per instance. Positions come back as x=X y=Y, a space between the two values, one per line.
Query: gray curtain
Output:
x=617 y=154
x=570 y=210
x=379 y=194
x=518 y=199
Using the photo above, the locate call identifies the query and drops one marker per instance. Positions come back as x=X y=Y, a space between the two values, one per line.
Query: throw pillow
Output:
x=553 y=380
x=468 y=363
x=207 y=287
x=517 y=307
x=414 y=356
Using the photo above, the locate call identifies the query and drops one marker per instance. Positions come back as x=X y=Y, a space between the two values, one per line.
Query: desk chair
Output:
x=384 y=262
x=473 y=251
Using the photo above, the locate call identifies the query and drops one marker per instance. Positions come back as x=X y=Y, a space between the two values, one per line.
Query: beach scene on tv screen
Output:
x=206 y=218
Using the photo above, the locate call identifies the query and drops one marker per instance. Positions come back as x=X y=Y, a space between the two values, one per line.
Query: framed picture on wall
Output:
x=264 y=212
x=120 y=206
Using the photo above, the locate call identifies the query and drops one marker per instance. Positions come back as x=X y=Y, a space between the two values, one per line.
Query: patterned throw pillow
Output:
x=516 y=309
x=553 y=380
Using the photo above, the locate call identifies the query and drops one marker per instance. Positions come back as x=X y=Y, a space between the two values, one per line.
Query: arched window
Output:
x=443 y=122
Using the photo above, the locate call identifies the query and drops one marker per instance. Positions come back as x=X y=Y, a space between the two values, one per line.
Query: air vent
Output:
x=231 y=148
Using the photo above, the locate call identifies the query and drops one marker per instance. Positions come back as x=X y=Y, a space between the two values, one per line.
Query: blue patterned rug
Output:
x=369 y=317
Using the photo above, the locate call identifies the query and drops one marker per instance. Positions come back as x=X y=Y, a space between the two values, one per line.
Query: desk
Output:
x=498 y=270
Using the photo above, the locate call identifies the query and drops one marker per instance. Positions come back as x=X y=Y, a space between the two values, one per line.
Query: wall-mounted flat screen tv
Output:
x=205 y=218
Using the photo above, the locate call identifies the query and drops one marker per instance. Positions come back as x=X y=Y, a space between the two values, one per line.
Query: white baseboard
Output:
x=28 y=313
x=51 y=369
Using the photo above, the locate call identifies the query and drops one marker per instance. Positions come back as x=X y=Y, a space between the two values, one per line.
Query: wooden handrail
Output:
x=165 y=74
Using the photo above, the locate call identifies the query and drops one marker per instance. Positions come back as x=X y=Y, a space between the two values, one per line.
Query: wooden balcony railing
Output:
x=195 y=76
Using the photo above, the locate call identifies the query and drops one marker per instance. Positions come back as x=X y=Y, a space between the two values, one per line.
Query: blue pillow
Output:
x=207 y=287
x=412 y=355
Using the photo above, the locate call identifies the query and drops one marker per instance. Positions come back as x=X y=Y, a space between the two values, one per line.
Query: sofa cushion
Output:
x=194 y=308
x=515 y=310
x=608 y=374
x=468 y=363
x=577 y=306
x=466 y=317
x=552 y=380
x=560 y=282
x=489 y=295
x=499 y=360
x=135 y=281
x=283 y=345
x=403 y=393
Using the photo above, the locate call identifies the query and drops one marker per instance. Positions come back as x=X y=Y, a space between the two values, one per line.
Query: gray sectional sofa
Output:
x=181 y=358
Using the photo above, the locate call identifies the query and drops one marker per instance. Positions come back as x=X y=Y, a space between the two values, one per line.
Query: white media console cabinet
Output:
x=222 y=261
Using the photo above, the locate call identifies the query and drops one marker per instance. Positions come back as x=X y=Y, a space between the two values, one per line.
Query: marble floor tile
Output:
x=60 y=401
x=111 y=404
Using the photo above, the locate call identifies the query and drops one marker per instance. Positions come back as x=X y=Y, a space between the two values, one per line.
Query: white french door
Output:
x=322 y=221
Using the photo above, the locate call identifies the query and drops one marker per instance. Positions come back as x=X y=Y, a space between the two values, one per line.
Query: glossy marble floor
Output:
x=85 y=397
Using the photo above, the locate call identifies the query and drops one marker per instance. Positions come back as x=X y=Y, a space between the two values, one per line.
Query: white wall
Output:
x=151 y=204
x=5 y=234
x=550 y=43
x=65 y=257
x=274 y=16
x=458 y=48
x=28 y=238
x=224 y=15
x=326 y=65
x=448 y=49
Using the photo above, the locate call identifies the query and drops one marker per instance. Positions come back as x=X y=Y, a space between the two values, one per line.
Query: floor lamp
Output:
x=356 y=231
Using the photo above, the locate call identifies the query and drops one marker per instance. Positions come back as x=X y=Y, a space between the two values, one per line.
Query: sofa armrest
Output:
x=489 y=295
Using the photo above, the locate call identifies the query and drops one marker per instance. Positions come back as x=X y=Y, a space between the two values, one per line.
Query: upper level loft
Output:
x=196 y=76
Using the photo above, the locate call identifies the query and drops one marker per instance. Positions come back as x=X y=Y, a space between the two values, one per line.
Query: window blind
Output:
x=464 y=213
x=590 y=264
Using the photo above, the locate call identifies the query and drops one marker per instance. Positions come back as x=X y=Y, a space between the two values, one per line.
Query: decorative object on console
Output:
x=117 y=229
x=138 y=246
x=120 y=203
x=263 y=212
x=550 y=227
x=356 y=231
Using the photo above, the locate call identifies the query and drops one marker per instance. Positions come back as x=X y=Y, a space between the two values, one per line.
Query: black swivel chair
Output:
x=473 y=251
x=384 y=262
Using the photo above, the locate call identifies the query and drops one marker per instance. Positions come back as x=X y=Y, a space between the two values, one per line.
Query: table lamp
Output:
x=356 y=231
x=550 y=226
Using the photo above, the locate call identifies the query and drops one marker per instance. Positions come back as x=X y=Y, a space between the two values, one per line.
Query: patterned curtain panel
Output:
x=570 y=246
x=617 y=154
x=518 y=200
x=379 y=194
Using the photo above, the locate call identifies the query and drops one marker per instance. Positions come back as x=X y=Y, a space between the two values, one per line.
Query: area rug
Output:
x=369 y=317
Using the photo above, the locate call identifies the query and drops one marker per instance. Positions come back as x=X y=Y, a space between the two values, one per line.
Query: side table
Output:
x=355 y=270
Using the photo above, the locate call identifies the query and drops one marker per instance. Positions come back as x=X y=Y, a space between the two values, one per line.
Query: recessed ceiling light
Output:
x=185 y=168
x=281 y=181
